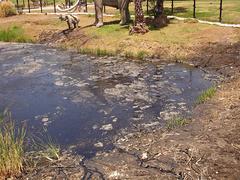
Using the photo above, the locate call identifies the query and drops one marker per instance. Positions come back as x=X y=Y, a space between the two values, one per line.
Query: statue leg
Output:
x=98 y=13
x=124 y=11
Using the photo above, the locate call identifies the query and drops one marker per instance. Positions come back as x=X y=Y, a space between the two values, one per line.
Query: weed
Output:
x=129 y=54
x=205 y=95
x=11 y=146
x=142 y=54
x=45 y=146
x=176 y=122
x=97 y=52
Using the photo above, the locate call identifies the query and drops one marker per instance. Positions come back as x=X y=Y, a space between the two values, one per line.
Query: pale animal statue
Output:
x=122 y=5
x=71 y=20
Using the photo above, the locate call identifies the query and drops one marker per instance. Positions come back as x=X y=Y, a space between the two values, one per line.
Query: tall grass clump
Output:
x=13 y=34
x=205 y=95
x=176 y=122
x=7 y=8
x=11 y=146
x=141 y=55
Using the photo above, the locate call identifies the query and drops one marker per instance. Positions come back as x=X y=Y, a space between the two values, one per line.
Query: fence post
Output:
x=28 y=6
x=147 y=7
x=41 y=5
x=69 y=3
x=54 y=5
x=220 y=14
x=86 y=8
x=172 y=7
x=17 y=5
x=194 y=8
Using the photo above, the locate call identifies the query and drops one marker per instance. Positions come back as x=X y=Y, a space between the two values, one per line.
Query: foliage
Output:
x=142 y=54
x=11 y=146
x=176 y=122
x=205 y=95
x=13 y=34
x=7 y=8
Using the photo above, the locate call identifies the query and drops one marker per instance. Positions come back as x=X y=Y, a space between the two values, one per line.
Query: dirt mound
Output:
x=56 y=37
x=223 y=58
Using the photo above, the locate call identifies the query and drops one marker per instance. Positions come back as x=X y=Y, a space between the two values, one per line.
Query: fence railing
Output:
x=31 y=6
x=194 y=5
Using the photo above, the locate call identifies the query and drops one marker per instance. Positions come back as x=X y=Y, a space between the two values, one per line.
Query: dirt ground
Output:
x=206 y=148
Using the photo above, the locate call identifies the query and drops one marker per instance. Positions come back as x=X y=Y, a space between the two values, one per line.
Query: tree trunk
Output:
x=158 y=8
x=160 y=20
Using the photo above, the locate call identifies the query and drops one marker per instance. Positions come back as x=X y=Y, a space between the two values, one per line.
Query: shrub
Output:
x=11 y=146
x=7 y=8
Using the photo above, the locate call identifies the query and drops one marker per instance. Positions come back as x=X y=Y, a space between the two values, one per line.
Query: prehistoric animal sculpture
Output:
x=139 y=24
x=122 y=5
x=71 y=20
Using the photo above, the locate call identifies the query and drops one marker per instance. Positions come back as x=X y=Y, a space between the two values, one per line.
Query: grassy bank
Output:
x=179 y=41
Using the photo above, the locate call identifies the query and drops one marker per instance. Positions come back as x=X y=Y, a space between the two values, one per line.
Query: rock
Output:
x=95 y=126
x=59 y=83
x=107 y=127
x=115 y=119
x=45 y=119
x=115 y=175
x=144 y=156
x=99 y=144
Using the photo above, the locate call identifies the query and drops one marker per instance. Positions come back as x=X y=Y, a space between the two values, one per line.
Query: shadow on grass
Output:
x=168 y=11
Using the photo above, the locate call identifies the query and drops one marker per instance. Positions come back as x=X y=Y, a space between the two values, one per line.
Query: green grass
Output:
x=14 y=34
x=176 y=122
x=96 y=52
x=11 y=146
x=205 y=9
x=205 y=95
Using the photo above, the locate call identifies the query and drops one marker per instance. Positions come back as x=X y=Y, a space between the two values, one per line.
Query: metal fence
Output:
x=40 y=4
x=21 y=5
x=195 y=8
